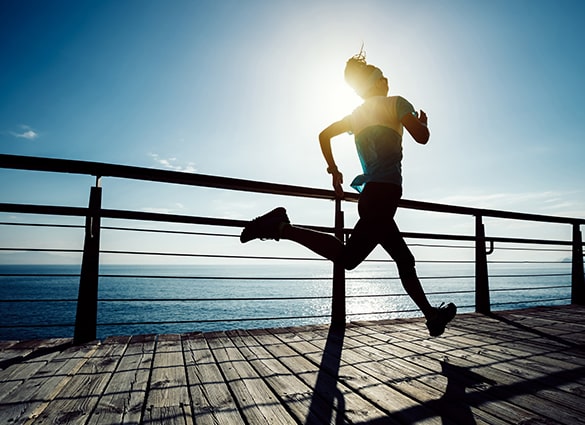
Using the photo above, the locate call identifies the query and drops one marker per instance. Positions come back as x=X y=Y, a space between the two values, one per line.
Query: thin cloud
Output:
x=171 y=164
x=494 y=199
x=179 y=206
x=27 y=133
x=562 y=204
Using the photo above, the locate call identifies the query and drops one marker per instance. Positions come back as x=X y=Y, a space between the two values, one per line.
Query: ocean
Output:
x=40 y=301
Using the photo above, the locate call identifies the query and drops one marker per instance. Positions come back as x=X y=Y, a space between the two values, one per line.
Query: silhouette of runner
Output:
x=377 y=126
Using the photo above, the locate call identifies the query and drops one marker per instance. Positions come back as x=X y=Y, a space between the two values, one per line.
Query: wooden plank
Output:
x=371 y=388
x=525 y=395
x=14 y=352
x=36 y=393
x=77 y=400
x=168 y=400
x=14 y=376
x=489 y=368
x=552 y=352
x=521 y=366
x=290 y=390
x=514 y=367
x=531 y=395
x=467 y=387
x=429 y=386
x=397 y=375
x=124 y=397
x=325 y=397
x=331 y=399
x=5 y=345
x=310 y=394
x=257 y=402
x=212 y=399
x=168 y=415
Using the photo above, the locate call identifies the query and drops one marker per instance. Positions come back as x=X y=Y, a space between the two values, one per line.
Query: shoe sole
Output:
x=279 y=211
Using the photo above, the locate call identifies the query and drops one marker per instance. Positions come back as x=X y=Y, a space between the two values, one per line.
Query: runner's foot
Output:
x=444 y=314
x=267 y=226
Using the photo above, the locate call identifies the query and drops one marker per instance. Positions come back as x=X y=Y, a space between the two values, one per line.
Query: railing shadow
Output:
x=536 y=332
x=453 y=407
x=328 y=403
x=34 y=354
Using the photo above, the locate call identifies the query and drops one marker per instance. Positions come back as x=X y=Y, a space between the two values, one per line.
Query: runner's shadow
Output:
x=453 y=407
x=456 y=402
x=327 y=403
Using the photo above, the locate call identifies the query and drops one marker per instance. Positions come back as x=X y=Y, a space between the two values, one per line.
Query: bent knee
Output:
x=349 y=263
x=353 y=255
x=350 y=266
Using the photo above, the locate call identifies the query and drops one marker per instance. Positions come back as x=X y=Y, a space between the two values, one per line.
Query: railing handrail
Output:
x=224 y=222
x=99 y=169
x=86 y=318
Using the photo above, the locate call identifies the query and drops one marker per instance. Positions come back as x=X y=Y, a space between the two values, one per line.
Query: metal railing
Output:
x=87 y=299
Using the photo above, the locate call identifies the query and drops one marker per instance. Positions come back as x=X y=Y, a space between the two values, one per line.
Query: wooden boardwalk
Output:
x=520 y=367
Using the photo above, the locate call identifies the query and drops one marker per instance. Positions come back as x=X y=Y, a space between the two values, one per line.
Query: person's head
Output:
x=367 y=80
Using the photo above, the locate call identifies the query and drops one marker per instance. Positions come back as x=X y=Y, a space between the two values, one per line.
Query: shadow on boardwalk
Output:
x=466 y=391
x=328 y=403
x=517 y=367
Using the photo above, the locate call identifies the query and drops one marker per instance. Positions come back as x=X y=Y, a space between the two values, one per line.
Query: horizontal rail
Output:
x=540 y=301
x=260 y=257
x=408 y=235
x=298 y=298
x=222 y=222
x=99 y=169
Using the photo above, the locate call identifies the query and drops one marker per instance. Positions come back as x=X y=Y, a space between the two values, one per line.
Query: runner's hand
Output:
x=422 y=117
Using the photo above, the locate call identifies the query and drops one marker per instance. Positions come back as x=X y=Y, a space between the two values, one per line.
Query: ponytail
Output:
x=359 y=75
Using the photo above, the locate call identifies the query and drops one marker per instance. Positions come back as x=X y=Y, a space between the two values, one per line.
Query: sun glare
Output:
x=329 y=96
x=337 y=99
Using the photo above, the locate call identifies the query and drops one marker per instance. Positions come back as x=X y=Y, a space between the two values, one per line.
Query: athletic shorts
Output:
x=376 y=207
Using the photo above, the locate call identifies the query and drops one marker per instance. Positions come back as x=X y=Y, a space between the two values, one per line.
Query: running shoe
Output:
x=267 y=226
x=444 y=314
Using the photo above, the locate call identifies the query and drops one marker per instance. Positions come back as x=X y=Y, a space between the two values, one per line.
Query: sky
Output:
x=242 y=89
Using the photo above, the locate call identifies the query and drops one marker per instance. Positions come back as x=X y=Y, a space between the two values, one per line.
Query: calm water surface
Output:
x=205 y=298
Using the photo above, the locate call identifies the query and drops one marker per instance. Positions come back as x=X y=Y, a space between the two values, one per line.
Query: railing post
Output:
x=482 y=288
x=338 y=293
x=577 y=278
x=86 y=317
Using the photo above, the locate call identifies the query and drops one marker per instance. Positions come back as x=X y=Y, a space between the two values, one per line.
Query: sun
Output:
x=328 y=95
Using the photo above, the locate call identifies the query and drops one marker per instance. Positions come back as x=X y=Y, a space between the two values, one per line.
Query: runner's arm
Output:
x=417 y=127
x=335 y=129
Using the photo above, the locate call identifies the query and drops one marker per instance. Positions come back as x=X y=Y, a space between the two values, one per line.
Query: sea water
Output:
x=41 y=301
